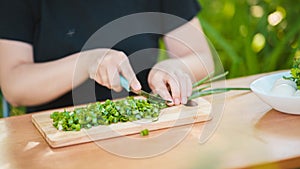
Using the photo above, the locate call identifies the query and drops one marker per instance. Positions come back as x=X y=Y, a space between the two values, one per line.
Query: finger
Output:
x=175 y=90
x=102 y=74
x=160 y=88
x=114 y=78
x=128 y=73
x=183 y=87
x=92 y=71
x=93 y=74
x=189 y=87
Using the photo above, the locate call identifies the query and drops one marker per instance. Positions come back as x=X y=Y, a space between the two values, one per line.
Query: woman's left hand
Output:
x=171 y=81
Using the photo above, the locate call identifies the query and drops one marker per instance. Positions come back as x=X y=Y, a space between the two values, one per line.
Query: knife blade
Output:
x=125 y=84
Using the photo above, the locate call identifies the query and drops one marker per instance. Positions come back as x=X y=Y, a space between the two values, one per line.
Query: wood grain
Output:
x=169 y=117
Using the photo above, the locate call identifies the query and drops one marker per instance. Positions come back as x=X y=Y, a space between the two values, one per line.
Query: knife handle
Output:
x=124 y=83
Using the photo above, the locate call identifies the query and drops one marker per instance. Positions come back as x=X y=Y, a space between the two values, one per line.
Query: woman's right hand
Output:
x=105 y=68
x=21 y=78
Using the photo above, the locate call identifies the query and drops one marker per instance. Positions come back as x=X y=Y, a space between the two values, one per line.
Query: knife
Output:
x=125 y=84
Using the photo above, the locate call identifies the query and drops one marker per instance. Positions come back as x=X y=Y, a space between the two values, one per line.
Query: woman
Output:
x=41 y=42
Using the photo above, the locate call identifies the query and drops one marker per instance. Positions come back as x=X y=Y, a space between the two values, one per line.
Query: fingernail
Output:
x=177 y=101
x=170 y=102
x=118 y=89
x=137 y=86
x=183 y=100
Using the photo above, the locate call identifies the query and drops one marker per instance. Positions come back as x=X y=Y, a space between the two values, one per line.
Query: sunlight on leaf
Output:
x=243 y=30
x=275 y=18
x=257 y=11
x=258 y=42
x=229 y=9
x=252 y=2
x=281 y=10
x=297 y=54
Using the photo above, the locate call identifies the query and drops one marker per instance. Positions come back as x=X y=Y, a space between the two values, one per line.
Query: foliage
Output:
x=252 y=36
x=13 y=110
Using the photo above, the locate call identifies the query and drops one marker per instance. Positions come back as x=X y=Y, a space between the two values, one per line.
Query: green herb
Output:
x=144 y=132
x=199 y=90
x=209 y=78
x=214 y=91
x=295 y=72
x=106 y=113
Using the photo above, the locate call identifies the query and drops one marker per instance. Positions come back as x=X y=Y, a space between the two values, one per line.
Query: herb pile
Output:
x=95 y=114
x=295 y=72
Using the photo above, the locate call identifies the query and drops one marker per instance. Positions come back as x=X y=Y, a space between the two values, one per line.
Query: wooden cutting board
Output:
x=169 y=117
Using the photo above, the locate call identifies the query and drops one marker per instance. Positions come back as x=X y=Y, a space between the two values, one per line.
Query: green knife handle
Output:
x=124 y=83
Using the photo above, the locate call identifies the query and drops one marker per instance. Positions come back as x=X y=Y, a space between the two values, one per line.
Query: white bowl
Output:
x=286 y=104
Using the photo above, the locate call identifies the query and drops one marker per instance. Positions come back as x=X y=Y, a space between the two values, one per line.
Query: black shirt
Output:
x=58 y=28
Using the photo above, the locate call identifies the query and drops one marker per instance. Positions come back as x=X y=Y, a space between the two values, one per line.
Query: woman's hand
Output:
x=106 y=67
x=22 y=86
x=170 y=75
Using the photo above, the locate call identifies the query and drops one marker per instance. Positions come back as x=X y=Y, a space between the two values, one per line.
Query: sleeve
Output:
x=181 y=11
x=16 y=18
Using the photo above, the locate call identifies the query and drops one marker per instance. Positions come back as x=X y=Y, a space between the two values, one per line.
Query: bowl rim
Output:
x=254 y=89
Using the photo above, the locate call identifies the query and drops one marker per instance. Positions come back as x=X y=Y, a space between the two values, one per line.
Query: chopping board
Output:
x=169 y=117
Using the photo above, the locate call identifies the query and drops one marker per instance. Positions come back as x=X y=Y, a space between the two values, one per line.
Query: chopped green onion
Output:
x=144 y=132
x=106 y=113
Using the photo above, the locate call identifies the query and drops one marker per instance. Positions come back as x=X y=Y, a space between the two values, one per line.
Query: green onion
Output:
x=106 y=113
x=144 y=132
x=199 y=91
x=207 y=79
x=214 y=91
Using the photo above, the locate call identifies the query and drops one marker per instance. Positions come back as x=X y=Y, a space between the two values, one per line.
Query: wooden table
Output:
x=249 y=134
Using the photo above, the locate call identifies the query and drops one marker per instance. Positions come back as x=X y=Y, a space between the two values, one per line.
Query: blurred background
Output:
x=251 y=36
